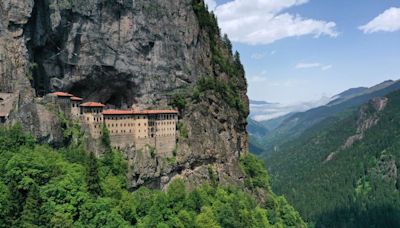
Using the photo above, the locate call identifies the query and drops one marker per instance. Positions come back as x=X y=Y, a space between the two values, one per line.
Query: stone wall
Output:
x=75 y=110
x=165 y=145
x=122 y=141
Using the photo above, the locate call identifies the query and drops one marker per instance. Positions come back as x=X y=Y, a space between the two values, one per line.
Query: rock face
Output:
x=42 y=123
x=125 y=52
x=367 y=118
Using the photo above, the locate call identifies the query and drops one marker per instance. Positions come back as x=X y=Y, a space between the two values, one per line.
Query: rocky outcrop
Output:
x=42 y=123
x=367 y=118
x=122 y=53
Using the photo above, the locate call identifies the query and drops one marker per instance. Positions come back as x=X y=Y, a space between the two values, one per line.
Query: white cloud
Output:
x=307 y=65
x=326 y=67
x=388 y=21
x=211 y=4
x=263 y=22
x=313 y=65
x=258 y=56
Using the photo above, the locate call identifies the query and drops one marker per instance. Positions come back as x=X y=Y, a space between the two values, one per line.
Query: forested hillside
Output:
x=344 y=172
x=293 y=125
x=41 y=186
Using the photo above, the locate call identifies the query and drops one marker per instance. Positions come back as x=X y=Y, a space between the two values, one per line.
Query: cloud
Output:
x=327 y=67
x=264 y=22
x=313 y=65
x=388 y=21
x=258 y=56
x=307 y=65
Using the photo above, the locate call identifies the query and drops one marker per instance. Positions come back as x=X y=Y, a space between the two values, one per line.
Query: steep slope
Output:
x=344 y=171
x=150 y=53
x=43 y=187
x=153 y=54
x=297 y=123
x=255 y=128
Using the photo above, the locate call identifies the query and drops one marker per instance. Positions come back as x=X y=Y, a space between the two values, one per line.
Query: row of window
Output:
x=124 y=125
x=160 y=117
x=125 y=117
x=132 y=124
x=161 y=123
x=95 y=119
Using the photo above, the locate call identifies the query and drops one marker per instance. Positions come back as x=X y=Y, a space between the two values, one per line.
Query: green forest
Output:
x=68 y=187
x=359 y=186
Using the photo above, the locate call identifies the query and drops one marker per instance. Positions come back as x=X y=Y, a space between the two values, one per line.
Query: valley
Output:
x=341 y=169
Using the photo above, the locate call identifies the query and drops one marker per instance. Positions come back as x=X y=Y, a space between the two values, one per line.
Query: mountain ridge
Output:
x=296 y=123
x=349 y=162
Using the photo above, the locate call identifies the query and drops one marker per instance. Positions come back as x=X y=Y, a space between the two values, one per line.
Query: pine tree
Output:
x=93 y=179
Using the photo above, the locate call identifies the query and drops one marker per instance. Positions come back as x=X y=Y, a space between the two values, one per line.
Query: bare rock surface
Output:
x=122 y=53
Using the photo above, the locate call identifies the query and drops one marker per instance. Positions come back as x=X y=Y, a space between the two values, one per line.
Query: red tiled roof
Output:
x=92 y=104
x=159 y=112
x=76 y=99
x=61 y=94
x=135 y=112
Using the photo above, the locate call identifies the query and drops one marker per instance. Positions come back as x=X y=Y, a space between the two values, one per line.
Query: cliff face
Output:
x=126 y=52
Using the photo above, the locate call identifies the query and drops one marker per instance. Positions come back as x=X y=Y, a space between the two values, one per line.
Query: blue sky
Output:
x=302 y=50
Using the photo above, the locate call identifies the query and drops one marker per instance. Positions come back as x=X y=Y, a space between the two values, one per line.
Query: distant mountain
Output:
x=347 y=94
x=297 y=123
x=351 y=93
x=272 y=124
x=344 y=171
x=255 y=128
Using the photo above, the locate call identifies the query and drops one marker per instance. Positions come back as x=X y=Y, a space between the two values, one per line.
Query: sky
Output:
x=303 y=50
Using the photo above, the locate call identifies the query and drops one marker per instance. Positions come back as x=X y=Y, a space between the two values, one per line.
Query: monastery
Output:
x=127 y=128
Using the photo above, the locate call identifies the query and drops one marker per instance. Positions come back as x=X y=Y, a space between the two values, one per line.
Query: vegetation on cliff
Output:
x=227 y=79
x=41 y=186
x=357 y=185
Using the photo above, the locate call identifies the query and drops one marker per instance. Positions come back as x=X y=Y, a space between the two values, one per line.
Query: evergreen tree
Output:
x=227 y=42
x=93 y=179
